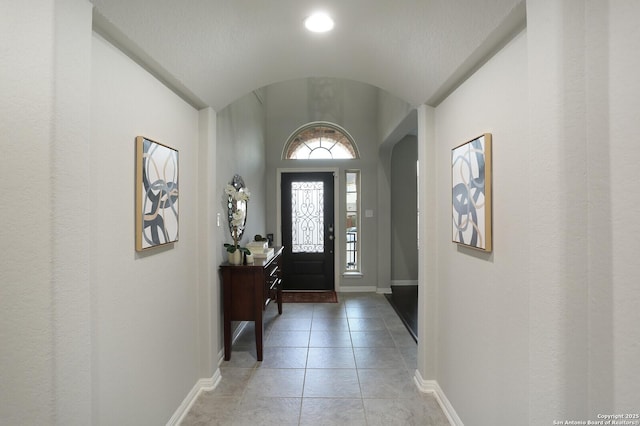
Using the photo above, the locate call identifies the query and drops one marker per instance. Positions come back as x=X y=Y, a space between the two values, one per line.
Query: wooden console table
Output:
x=248 y=289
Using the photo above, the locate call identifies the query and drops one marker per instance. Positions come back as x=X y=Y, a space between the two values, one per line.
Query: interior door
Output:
x=308 y=230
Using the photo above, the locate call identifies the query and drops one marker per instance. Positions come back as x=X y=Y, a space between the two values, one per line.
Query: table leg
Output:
x=259 y=333
x=279 y=297
x=227 y=340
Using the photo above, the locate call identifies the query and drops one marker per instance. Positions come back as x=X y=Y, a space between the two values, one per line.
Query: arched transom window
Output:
x=320 y=141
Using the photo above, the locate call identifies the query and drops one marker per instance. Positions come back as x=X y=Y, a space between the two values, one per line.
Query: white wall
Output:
x=558 y=273
x=71 y=186
x=209 y=246
x=44 y=294
x=25 y=125
x=583 y=342
x=144 y=306
x=624 y=268
x=482 y=299
x=545 y=327
x=93 y=332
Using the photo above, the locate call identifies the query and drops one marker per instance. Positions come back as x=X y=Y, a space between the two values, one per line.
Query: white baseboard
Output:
x=432 y=386
x=358 y=289
x=201 y=385
x=384 y=290
x=404 y=282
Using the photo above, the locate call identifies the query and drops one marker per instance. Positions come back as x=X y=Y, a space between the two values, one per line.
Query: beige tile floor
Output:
x=347 y=363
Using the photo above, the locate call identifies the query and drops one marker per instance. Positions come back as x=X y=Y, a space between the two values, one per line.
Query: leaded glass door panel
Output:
x=308 y=230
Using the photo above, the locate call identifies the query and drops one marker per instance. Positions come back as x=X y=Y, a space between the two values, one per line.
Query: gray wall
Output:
x=404 y=207
x=240 y=149
x=142 y=304
x=392 y=112
x=482 y=299
x=351 y=105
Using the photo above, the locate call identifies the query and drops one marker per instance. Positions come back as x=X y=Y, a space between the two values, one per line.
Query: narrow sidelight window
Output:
x=353 y=221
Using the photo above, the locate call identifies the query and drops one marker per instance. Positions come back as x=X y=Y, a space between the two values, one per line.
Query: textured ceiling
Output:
x=215 y=51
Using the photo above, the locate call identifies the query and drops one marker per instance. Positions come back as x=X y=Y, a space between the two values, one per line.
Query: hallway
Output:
x=350 y=363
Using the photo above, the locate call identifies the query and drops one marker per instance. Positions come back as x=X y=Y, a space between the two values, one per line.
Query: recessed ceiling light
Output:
x=319 y=23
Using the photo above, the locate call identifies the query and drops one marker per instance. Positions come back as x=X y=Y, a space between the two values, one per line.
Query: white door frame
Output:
x=336 y=218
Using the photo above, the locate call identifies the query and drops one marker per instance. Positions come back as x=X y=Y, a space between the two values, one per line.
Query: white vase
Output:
x=235 y=258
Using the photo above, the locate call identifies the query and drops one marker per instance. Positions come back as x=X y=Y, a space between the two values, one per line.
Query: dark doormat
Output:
x=309 y=297
x=404 y=300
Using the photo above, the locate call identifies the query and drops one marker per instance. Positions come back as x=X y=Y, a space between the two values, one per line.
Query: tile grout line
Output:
x=306 y=365
x=353 y=351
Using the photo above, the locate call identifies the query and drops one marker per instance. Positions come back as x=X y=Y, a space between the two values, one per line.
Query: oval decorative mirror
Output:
x=237 y=205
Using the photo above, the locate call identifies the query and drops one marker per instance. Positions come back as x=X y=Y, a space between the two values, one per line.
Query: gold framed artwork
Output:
x=471 y=209
x=157 y=191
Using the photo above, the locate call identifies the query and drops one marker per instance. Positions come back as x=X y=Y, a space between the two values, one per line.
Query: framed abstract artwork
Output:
x=471 y=193
x=157 y=192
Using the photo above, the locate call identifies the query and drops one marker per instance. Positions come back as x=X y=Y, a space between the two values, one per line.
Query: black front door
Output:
x=308 y=230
